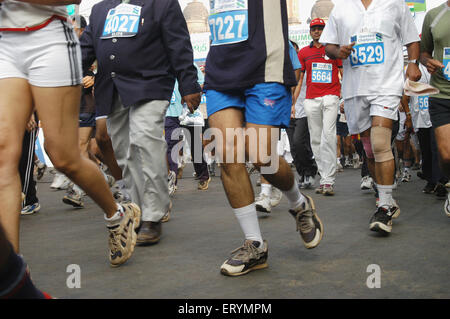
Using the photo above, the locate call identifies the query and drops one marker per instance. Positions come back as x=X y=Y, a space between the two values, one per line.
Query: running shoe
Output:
x=73 y=198
x=395 y=209
x=171 y=180
x=366 y=182
x=447 y=206
x=60 y=182
x=30 y=209
x=328 y=190
x=166 y=216
x=262 y=204
x=120 y=193
x=381 y=221
x=339 y=168
x=276 y=196
x=308 y=182
x=301 y=182
x=40 y=169
x=319 y=190
x=429 y=188
x=308 y=223
x=212 y=168
x=122 y=236
x=406 y=176
x=110 y=180
x=204 y=185
x=246 y=258
x=440 y=191
x=356 y=162
x=348 y=163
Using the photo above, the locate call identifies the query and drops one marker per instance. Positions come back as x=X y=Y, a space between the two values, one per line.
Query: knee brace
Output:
x=367 y=146
x=380 y=138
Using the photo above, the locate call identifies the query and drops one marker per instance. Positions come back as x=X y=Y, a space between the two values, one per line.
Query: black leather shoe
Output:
x=149 y=233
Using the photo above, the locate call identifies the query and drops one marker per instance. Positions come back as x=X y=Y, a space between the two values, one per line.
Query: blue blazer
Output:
x=143 y=67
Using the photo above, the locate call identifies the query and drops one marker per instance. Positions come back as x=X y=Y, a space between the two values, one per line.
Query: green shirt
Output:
x=434 y=40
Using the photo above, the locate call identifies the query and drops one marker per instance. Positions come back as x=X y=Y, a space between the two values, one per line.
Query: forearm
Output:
x=332 y=51
x=413 y=51
x=424 y=57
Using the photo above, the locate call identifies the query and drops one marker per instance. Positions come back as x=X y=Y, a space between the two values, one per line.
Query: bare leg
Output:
x=105 y=145
x=58 y=111
x=443 y=142
x=15 y=111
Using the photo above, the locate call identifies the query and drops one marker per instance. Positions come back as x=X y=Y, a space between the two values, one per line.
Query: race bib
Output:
x=368 y=50
x=423 y=102
x=321 y=72
x=228 y=21
x=122 y=21
x=173 y=99
x=446 y=63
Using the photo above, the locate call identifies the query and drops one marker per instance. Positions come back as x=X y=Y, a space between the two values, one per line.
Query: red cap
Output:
x=317 y=22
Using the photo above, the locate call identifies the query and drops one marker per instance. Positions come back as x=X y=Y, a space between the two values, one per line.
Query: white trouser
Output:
x=322 y=115
x=140 y=149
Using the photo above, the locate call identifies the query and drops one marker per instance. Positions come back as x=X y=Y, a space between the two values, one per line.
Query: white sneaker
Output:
x=339 y=166
x=356 y=163
x=406 y=176
x=263 y=204
x=276 y=196
x=309 y=182
x=60 y=181
x=366 y=182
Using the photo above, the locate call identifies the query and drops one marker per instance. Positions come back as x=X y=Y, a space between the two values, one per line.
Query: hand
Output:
x=433 y=65
x=413 y=73
x=192 y=101
x=88 y=81
x=345 y=51
x=31 y=125
x=408 y=124
x=293 y=111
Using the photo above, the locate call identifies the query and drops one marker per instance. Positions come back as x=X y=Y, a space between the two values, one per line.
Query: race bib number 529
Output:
x=368 y=50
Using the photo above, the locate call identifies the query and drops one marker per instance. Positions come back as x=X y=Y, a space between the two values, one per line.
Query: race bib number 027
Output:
x=122 y=21
x=446 y=63
x=321 y=72
x=368 y=50
x=228 y=21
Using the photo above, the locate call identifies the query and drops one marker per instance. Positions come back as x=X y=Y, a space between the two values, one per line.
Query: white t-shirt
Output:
x=299 y=107
x=16 y=14
x=393 y=20
x=419 y=106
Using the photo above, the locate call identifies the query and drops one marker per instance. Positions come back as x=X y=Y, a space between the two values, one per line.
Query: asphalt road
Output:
x=413 y=260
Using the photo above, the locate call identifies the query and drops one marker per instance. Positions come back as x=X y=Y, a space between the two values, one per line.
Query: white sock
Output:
x=248 y=220
x=385 y=193
x=77 y=189
x=294 y=197
x=266 y=189
x=116 y=218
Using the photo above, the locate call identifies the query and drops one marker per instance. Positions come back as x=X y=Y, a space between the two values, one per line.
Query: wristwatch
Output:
x=415 y=61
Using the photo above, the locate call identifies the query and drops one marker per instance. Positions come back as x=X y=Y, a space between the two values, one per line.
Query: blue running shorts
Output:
x=264 y=103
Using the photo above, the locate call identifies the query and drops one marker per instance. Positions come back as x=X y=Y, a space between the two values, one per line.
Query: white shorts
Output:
x=49 y=57
x=360 y=109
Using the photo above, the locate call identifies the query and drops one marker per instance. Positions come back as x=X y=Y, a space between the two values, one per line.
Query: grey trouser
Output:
x=140 y=148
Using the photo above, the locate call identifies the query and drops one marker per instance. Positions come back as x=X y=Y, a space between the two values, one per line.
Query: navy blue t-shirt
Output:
x=261 y=57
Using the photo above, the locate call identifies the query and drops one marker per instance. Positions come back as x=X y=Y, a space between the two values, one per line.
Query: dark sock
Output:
x=15 y=282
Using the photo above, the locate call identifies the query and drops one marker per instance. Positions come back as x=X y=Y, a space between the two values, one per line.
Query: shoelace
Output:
x=304 y=221
x=246 y=250
x=113 y=241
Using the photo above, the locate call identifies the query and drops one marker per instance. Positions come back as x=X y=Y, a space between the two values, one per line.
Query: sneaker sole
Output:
x=75 y=204
x=397 y=213
x=30 y=213
x=256 y=267
x=136 y=220
x=380 y=228
x=260 y=208
x=315 y=242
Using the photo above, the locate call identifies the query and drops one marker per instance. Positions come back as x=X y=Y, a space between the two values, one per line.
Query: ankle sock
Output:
x=266 y=189
x=385 y=195
x=294 y=197
x=248 y=220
